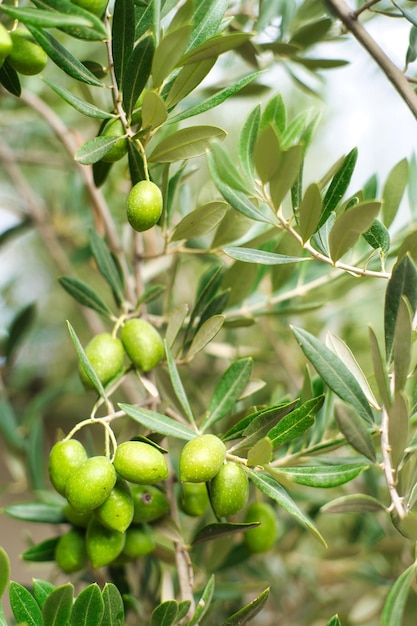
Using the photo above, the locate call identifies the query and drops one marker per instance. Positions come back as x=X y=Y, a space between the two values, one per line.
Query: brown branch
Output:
x=349 y=18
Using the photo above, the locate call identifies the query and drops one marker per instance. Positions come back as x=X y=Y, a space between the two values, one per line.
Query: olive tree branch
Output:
x=389 y=472
x=349 y=18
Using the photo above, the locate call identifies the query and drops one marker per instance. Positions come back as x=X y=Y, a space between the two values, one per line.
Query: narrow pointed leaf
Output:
x=165 y=614
x=175 y=323
x=201 y=221
x=208 y=16
x=247 y=141
x=393 y=191
x=168 y=53
x=403 y=282
x=24 y=606
x=89 y=369
x=261 y=453
x=322 y=476
x=123 y=36
x=272 y=489
x=204 y=603
x=255 y=423
x=226 y=164
x=338 y=186
x=206 y=333
x=63 y=58
x=186 y=143
x=95 y=149
x=260 y=257
x=334 y=373
x=350 y=226
x=380 y=371
x=267 y=153
x=296 y=423
x=220 y=529
x=44 y=19
x=19 y=326
x=113 y=606
x=158 y=423
x=96 y=31
x=401 y=346
x=154 y=112
x=81 y=292
x=214 y=47
x=228 y=390
x=77 y=103
x=41 y=552
x=334 y=621
x=177 y=385
x=310 y=211
x=284 y=178
x=398 y=427
x=41 y=512
x=354 y=503
x=249 y=611
x=137 y=72
x=378 y=236
x=10 y=80
x=187 y=80
x=88 y=607
x=106 y=265
x=4 y=570
x=58 y=606
x=356 y=432
x=394 y=606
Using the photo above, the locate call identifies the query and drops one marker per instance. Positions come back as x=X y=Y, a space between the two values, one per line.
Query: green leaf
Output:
x=187 y=80
x=322 y=476
x=260 y=453
x=186 y=143
x=136 y=167
x=275 y=114
x=334 y=621
x=58 y=606
x=378 y=236
x=206 y=333
x=218 y=98
x=201 y=221
x=260 y=257
x=154 y=112
x=393 y=191
x=41 y=552
x=296 y=423
x=175 y=323
x=96 y=31
x=398 y=427
x=81 y=292
x=356 y=432
x=123 y=36
x=165 y=614
x=89 y=369
x=88 y=607
x=77 y=103
x=249 y=611
x=255 y=423
x=95 y=149
x=226 y=164
x=401 y=345
x=169 y=52
x=403 y=282
x=106 y=265
x=380 y=372
x=137 y=72
x=9 y=426
x=24 y=606
x=113 y=606
x=354 y=503
x=267 y=153
x=44 y=19
x=4 y=570
x=63 y=58
x=334 y=373
x=157 y=422
x=284 y=178
x=310 y=211
x=177 y=385
x=247 y=141
x=338 y=186
x=36 y=512
x=349 y=226
x=311 y=33
x=42 y=589
x=214 y=47
x=19 y=326
x=204 y=603
x=228 y=390
x=272 y=489
x=219 y=529
x=10 y=80
x=394 y=606
x=208 y=16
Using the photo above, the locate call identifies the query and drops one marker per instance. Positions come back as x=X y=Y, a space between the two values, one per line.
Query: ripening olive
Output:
x=116 y=512
x=64 y=458
x=139 y=541
x=144 y=205
x=90 y=484
x=149 y=502
x=71 y=552
x=140 y=463
x=194 y=498
x=143 y=343
x=201 y=458
x=26 y=56
x=229 y=490
x=103 y=545
x=260 y=538
x=115 y=128
x=106 y=355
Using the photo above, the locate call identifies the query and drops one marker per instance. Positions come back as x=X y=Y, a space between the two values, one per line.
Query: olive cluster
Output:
x=110 y=504
x=21 y=50
x=138 y=339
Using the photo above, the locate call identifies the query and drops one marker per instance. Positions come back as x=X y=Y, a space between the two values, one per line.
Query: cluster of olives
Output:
x=109 y=504
x=138 y=339
x=21 y=50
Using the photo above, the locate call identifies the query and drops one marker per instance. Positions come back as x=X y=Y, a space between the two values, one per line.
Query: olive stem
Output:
x=389 y=471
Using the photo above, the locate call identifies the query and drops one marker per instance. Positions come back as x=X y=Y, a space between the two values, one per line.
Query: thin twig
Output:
x=396 y=500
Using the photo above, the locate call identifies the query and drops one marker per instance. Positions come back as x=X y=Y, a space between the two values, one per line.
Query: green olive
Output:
x=94 y=6
x=26 y=56
x=143 y=343
x=144 y=205
x=260 y=538
x=103 y=545
x=194 y=498
x=115 y=128
x=5 y=43
x=116 y=512
x=64 y=458
x=201 y=458
x=149 y=502
x=140 y=463
x=229 y=490
x=70 y=551
x=106 y=354
x=76 y=518
x=139 y=541
x=90 y=485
